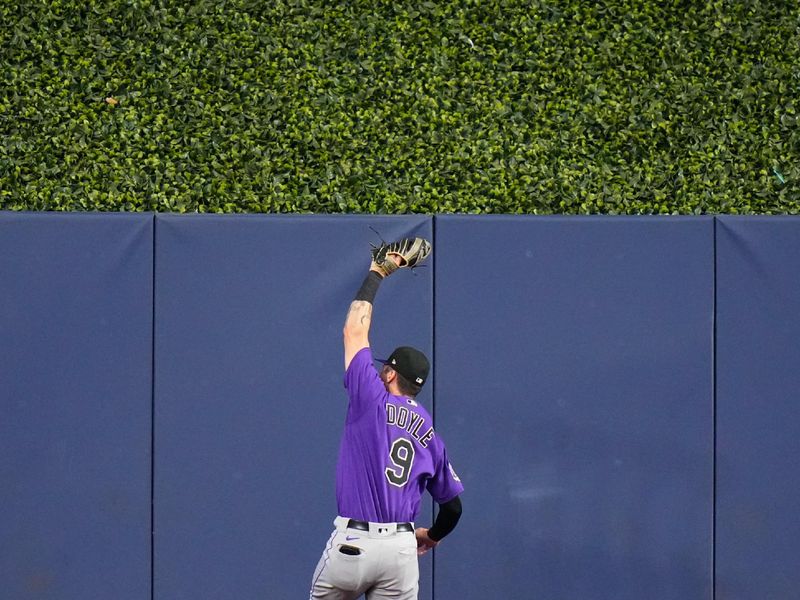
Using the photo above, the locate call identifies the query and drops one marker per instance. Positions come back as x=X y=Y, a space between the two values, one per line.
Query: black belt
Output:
x=364 y=526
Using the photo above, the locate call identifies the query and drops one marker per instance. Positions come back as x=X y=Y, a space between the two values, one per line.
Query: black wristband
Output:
x=369 y=287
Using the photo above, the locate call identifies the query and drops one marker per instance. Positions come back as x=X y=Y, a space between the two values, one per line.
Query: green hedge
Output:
x=501 y=106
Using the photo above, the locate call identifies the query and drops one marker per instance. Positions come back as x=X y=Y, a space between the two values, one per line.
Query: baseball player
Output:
x=389 y=455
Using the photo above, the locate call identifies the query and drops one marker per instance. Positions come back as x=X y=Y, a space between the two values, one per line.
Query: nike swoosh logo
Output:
x=350 y=538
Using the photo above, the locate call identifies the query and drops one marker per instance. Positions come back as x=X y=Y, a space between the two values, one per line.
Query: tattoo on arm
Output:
x=356 y=329
x=360 y=313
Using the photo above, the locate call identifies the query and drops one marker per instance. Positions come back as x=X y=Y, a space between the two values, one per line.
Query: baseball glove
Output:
x=411 y=253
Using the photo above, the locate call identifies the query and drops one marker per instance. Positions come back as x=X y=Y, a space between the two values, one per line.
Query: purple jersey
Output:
x=389 y=454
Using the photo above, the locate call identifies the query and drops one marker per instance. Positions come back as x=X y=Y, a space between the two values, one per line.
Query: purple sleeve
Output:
x=364 y=386
x=445 y=484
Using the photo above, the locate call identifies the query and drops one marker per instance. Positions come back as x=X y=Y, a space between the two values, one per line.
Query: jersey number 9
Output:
x=402 y=457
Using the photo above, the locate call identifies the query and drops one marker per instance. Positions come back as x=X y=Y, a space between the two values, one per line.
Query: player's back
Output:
x=389 y=449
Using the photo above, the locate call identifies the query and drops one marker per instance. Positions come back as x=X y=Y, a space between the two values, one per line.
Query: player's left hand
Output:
x=408 y=252
x=424 y=543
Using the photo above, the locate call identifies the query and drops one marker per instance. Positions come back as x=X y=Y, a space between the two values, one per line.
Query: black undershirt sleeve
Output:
x=446 y=520
x=369 y=287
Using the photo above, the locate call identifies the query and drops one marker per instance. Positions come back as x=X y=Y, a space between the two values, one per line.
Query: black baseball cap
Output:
x=410 y=363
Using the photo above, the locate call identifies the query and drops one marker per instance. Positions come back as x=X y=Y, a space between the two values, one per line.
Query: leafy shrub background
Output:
x=567 y=106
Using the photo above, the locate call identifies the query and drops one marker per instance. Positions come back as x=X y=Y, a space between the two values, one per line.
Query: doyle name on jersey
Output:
x=412 y=422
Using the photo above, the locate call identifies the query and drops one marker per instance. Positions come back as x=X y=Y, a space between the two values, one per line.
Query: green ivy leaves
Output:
x=501 y=106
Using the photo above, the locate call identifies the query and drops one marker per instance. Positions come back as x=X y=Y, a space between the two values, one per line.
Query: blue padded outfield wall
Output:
x=249 y=393
x=76 y=306
x=575 y=383
x=758 y=408
x=618 y=395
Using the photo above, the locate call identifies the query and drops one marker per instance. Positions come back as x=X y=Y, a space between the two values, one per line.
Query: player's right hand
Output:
x=424 y=543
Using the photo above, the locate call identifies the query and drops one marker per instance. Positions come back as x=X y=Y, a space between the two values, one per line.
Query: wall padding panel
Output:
x=758 y=411
x=574 y=386
x=250 y=402
x=75 y=404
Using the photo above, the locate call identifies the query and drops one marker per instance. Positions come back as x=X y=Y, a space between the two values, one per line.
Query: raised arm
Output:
x=359 y=317
x=386 y=259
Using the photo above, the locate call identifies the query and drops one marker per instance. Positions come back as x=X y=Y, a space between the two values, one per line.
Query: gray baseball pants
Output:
x=380 y=563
